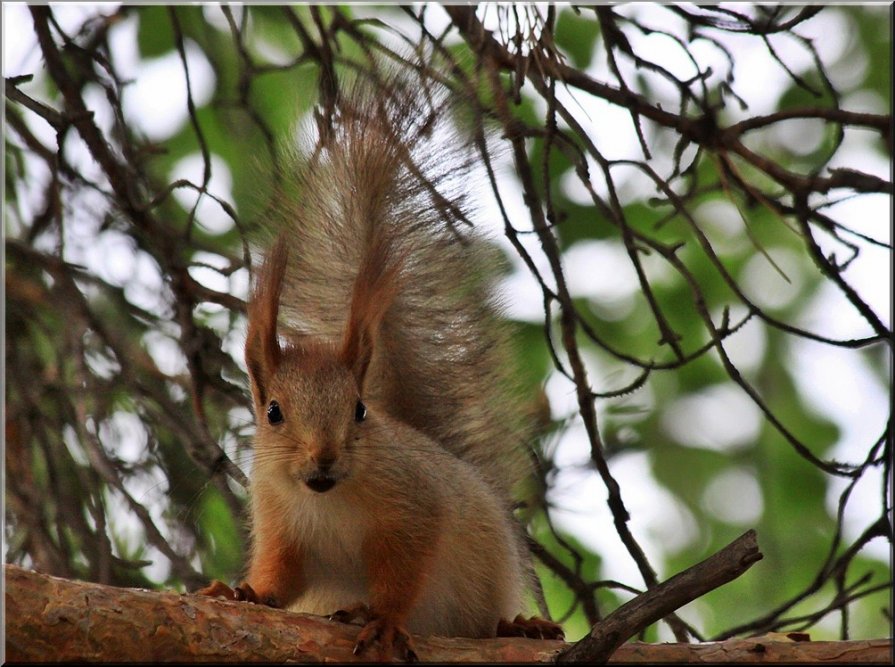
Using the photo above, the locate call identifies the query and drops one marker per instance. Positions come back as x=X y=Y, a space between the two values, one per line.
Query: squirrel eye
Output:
x=274 y=414
x=360 y=412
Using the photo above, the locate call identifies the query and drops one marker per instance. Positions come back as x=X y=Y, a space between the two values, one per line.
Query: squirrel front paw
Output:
x=390 y=635
x=242 y=593
x=357 y=611
x=533 y=628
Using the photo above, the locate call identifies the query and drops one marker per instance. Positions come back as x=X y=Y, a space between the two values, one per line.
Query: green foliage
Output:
x=534 y=361
x=577 y=36
x=218 y=525
x=155 y=37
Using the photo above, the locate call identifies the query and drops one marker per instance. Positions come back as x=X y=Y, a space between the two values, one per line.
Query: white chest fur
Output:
x=331 y=532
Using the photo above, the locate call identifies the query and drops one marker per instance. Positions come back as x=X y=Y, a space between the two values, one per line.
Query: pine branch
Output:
x=49 y=619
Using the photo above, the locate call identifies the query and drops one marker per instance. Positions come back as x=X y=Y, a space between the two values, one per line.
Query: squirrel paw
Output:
x=391 y=637
x=356 y=611
x=533 y=628
x=242 y=593
x=218 y=589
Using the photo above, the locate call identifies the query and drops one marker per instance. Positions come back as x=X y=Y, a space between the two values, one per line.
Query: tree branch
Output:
x=53 y=619
x=658 y=602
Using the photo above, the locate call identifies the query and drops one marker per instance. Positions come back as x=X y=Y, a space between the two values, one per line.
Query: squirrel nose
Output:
x=324 y=461
x=320 y=480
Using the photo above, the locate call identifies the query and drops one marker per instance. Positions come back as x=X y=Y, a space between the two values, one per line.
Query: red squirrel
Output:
x=389 y=433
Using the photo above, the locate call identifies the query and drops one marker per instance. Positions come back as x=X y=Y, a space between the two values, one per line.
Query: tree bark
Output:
x=50 y=619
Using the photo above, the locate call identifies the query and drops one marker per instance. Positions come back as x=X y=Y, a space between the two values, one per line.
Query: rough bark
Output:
x=52 y=619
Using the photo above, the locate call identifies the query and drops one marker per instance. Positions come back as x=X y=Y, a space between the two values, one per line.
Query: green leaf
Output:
x=154 y=34
x=577 y=36
x=216 y=524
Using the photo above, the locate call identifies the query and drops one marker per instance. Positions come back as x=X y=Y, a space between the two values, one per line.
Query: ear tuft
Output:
x=262 y=350
x=375 y=287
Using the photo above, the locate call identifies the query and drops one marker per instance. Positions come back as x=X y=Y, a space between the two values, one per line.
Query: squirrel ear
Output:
x=262 y=350
x=374 y=288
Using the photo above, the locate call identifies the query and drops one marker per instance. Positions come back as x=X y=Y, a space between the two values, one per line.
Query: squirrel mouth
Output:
x=320 y=483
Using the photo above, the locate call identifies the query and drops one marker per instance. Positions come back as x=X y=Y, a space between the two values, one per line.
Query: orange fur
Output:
x=396 y=569
x=396 y=572
x=275 y=570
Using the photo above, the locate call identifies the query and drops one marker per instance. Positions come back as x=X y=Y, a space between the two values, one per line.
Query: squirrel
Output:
x=389 y=436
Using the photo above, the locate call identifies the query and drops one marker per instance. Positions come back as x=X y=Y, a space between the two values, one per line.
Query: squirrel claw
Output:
x=245 y=593
x=248 y=594
x=390 y=636
x=533 y=628
x=242 y=593
x=349 y=614
x=217 y=589
x=340 y=616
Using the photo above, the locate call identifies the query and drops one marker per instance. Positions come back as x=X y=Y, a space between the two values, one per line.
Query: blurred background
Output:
x=705 y=192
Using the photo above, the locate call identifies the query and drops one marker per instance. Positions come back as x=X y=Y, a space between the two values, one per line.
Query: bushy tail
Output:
x=384 y=188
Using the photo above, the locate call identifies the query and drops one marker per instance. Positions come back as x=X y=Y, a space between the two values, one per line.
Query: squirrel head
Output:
x=308 y=393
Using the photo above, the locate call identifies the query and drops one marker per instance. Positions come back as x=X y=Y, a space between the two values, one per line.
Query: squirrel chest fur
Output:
x=388 y=435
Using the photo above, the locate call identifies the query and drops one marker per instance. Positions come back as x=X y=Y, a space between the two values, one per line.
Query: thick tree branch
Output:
x=53 y=619
x=48 y=618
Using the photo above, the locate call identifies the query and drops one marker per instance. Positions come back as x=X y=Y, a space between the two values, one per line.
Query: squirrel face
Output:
x=309 y=418
x=307 y=393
